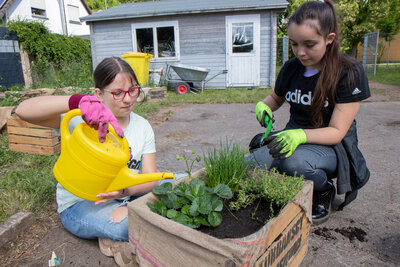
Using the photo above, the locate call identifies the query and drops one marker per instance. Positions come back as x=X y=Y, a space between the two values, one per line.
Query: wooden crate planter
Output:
x=30 y=138
x=158 y=241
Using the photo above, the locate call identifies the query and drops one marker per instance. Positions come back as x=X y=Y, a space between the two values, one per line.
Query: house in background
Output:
x=236 y=35
x=59 y=16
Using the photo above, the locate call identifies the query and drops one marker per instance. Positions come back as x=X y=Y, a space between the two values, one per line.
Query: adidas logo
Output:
x=356 y=91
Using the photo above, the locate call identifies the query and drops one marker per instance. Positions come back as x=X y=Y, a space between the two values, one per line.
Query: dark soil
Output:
x=241 y=223
x=351 y=233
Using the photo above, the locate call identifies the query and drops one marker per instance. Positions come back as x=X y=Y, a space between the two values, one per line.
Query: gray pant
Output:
x=316 y=162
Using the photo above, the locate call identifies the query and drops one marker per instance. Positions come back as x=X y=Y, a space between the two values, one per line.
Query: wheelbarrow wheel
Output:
x=182 y=88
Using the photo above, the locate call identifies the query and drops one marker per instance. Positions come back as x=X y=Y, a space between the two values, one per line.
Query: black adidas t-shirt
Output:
x=298 y=91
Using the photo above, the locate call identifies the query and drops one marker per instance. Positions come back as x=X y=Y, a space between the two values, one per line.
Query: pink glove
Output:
x=97 y=115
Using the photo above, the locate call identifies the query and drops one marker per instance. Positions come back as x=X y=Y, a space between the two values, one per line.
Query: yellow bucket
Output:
x=87 y=167
x=140 y=63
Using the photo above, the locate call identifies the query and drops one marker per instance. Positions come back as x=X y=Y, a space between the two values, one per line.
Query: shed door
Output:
x=243 y=50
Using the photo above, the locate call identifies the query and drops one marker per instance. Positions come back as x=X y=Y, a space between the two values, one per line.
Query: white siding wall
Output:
x=21 y=9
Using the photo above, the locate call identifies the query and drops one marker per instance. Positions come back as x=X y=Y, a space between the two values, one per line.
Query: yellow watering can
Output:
x=87 y=167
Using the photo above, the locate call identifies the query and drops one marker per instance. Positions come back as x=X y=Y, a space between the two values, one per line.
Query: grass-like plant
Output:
x=26 y=181
x=226 y=165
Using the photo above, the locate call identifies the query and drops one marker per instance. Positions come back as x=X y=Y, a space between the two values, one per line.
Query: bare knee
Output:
x=119 y=214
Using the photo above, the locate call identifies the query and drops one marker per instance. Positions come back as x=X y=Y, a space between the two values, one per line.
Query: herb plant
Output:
x=278 y=189
x=226 y=165
x=192 y=204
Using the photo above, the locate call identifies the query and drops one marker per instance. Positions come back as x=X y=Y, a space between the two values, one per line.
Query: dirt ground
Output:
x=365 y=233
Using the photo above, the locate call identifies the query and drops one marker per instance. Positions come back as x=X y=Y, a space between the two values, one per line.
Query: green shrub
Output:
x=56 y=60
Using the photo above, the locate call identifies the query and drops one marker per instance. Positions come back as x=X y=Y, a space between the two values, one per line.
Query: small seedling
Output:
x=189 y=164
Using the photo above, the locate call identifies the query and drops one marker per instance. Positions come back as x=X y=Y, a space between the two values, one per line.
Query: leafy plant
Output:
x=226 y=165
x=277 y=189
x=10 y=99
x=189 y=164
x=192 y=204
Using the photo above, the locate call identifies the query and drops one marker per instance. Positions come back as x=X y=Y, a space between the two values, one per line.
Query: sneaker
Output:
x=106 y=246
x=322 y=204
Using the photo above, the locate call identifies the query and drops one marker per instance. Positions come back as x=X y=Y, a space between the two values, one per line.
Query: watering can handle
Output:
x=65 y=134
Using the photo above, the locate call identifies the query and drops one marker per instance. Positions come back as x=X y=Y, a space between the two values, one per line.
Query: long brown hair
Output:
x=324 y=14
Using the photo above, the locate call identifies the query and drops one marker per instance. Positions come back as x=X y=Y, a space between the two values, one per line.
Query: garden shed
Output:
x=236 y=35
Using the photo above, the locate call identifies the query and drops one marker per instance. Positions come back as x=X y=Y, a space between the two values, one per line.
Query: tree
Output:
x=283 y=17
x=363 y=16
x=104 y=4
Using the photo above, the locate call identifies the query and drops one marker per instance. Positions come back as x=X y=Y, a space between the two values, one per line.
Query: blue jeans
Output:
x=316 y=162
x=87 y=220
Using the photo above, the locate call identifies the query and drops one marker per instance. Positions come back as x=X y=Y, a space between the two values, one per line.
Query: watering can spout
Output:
x=127 y=178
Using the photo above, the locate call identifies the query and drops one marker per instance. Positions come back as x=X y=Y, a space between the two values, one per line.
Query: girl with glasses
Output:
x=115 y=95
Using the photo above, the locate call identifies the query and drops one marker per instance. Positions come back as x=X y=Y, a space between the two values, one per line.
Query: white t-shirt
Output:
x=140 y=137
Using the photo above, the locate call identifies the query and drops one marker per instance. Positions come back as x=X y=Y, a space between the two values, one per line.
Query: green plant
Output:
x=189 y=164
x=10 y=99
x=26 y=181
x=192 y=204
x=56 y=60
x=277 y=189
x=226 y=165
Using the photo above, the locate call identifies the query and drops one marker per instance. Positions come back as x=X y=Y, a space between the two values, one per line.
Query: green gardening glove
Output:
x=282 y=145
x=264 y=117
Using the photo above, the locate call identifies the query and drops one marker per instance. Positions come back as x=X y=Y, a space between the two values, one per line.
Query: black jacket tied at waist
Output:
x=352 y=170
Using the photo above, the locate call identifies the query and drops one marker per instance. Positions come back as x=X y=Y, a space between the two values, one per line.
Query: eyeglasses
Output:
x=120 y=94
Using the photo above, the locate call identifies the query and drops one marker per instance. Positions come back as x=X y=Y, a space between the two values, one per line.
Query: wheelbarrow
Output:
x=192 y=79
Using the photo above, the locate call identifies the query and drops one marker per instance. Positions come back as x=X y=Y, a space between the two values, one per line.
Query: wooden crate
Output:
x=32 y=139
x=283 y=241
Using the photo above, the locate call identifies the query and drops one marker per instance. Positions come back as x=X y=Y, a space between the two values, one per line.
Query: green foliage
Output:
x=284 y=16
x=388 y=74
x=189 y=164
x=26 y=181
x=226 y=165
x=361 y=17
x=192 y=204
x=10 y=99
x=105 y=4
x=63 y=60
x=277 y=189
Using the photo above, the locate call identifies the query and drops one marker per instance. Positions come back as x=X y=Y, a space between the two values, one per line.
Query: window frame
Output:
x=154 y=26
x=38 y=5
x=70 y=19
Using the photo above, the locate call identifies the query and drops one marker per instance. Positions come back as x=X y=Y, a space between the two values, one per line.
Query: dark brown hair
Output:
x=324 y=15
x=107 y=70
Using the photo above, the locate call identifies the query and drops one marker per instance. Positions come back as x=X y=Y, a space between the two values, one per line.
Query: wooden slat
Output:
x=296 y=261
x=20 y=123
x=35 y=149
x=44 y=132
x=285 y=249
x=282 y=221
x=20 y=139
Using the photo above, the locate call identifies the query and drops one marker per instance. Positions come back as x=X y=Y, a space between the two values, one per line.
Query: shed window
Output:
x=73 y=14
x=38 y=8
x=159 y=39
x=242 y=37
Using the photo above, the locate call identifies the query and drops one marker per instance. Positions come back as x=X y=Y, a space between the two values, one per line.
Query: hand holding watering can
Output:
x=87 y=167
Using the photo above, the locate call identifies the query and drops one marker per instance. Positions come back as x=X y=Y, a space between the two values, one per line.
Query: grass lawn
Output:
x=388 y=74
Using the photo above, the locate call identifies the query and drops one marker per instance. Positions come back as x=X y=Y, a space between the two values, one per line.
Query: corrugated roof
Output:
x=175 y=7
